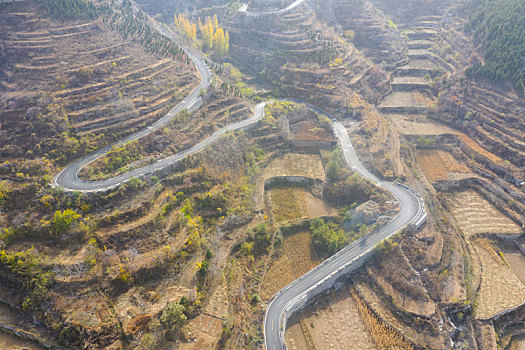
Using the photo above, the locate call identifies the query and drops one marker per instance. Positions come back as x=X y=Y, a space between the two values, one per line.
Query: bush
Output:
x=63 y=220
x=173 y=315
x=261 y=237
x=25 y=269
x=325 y=237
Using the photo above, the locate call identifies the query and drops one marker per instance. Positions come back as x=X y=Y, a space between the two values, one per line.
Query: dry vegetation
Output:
x=298 y=257
x=80 y=84
x=317 y=207
x=475 y=215
x=412 y=101
x=419 y=125
x=394 y=328
x=383 y=335
x=441 y=165
x=183 y=132
x=290 y=164
x=294 y=203
x=295 y=164
x=500 y=288
x=333 y=322
x=473 y=145
x=288 y=204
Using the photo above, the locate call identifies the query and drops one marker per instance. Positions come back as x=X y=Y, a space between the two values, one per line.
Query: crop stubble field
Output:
x=500 y=288
x=441 y=165
x=298 y=258
x=475 y=215
x=333 y=323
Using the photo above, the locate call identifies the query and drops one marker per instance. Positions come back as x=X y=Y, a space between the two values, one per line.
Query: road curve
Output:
x=244 y=9
x=412 y=207
x=68 y=178
x=412 y=212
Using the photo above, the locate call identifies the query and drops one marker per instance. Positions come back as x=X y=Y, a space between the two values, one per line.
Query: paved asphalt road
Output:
x=68 y=178
x=411 y=206
x=411 y=210
x=244 y=9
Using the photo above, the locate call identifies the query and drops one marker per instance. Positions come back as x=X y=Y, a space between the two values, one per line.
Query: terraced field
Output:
x=500 y=129
x=297 y=52
x=105 y=82
x=298 y=258
x=332 y=323
x=500 y=288
x=475 y=215
x=441 y=165
x=379 y=41
x=182 y=133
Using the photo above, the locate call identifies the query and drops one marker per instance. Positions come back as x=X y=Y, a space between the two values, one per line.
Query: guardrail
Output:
x=300 y=300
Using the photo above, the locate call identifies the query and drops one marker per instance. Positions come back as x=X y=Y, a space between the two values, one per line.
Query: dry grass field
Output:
x=514 y=258
x=291 y=164
x=206 y=331
x=408 y=125
x=317 y=207
x=384 y=336
x=288 y=204
x=391 y=340
x=473 y=145
x=406 y=100
x=298 y=257
x=475 y=215
x=292 y=203
x=441 y=165
x=333 y=323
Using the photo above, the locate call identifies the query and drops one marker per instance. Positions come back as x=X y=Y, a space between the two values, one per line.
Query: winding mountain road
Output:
x=282 y=305
x=244 y=9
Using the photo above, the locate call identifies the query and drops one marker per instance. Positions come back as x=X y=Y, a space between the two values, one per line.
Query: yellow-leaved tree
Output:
x=221 y=43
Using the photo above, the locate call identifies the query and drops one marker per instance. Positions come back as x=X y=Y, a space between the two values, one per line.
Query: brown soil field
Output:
x=500 y=287
x=298 y=257
x=406 y=99
x=441 y=165
x=419 y=125
x=514 y=258
x=288 y=204
x=203 y=332
x=334 y=322
x=475 y=215
x=317 y=207
x=291 y=164
x=473 y=145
